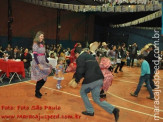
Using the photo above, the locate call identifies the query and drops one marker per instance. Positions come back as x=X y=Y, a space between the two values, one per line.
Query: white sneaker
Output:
x=58 y=86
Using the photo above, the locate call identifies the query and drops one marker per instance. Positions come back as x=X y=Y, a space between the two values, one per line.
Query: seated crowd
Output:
x=119 y=55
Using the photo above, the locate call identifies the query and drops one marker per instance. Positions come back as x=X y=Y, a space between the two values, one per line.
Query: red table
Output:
x=12 y=66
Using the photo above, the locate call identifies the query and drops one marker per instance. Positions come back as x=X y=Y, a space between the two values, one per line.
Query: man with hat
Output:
x=105 y=48
x=88 y=67
x=151 y=58
x=93 y=47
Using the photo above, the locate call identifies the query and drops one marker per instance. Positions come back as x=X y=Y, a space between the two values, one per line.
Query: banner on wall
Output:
x=71 y=7
x=141 y=20
x=61 y=6
x=149 y=7
x=65 y=6
x=81 y=8
x=125 y=8
x=132 y=8
x=110 y=9
x=104 y=9
x=87 y=7
x=93 y=8
x=140 y=6
x=76 y=8
x=156 y=7
x=98 y=8
x=118 y=9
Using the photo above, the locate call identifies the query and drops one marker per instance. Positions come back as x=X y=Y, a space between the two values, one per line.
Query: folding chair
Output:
x=12 y=76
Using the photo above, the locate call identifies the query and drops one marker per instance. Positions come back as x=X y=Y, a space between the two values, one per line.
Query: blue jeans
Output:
x=94 y=88
x=146 y=79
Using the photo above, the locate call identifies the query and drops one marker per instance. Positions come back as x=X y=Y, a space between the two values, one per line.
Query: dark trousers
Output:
x=132 y=59
x=26 y=65
x=39 y=85
x=118 y=65
x=151 y=78
x=122 y=64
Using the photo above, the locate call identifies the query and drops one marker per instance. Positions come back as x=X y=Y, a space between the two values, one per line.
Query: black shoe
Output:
x=115 y=72
x=120 y=70
x=150 y=98
x=116 y=114
x=102 y=95
x=37 y=95
x=40 y=94
x=132 y=94
x=86 y=113
x=154 y=87
x=102 y=91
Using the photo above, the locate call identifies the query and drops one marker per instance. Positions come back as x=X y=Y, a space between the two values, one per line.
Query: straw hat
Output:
x=93 y=46
x=86 y=49
x=104 y=44
x=73 y=83
x=146 y=47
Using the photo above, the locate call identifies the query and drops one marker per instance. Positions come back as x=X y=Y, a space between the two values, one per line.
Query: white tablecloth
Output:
x=53 y=62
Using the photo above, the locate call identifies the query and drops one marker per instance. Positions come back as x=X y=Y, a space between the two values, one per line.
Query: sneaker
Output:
x=40 y=94
x=58 y=86
x=116 y=114
x=102 y=91
x=150 y=98
x=102 y=95
x=132 y=94
x=86 y=113
x=154 y=87
x=37 y=95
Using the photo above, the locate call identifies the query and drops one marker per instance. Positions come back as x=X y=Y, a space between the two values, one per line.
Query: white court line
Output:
x=130 y=82
x=91 y=99
x=15 y=83
x=132 y=102
x=117 y=80
x=127 y=81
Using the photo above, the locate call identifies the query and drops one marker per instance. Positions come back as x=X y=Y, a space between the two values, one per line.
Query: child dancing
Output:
x=59 y=73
